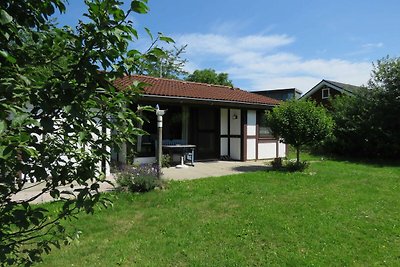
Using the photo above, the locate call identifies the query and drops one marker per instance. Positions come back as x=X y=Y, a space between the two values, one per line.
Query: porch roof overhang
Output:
x=203 y=101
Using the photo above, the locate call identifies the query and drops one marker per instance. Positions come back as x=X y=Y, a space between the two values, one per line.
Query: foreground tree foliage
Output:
x=368 y=124
x=300 y=123
x=55 y=104
x=209 y=76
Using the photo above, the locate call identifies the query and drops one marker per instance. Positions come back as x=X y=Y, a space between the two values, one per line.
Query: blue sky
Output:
x=275 y=44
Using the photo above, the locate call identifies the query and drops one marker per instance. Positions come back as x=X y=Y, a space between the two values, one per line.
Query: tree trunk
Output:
x=298 y=154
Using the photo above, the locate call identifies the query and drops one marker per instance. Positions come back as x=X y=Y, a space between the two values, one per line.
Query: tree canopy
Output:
x=58 y=106
x=367 y=123
x=300 y=123
x=209 y=76
x=170 y=65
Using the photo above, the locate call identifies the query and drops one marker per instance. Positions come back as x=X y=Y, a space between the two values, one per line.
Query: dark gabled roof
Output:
x=345 y=86
x=161 y=87
x=341 y=87
x=279 y=90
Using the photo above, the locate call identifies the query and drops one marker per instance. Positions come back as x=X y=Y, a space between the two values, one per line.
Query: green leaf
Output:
x=8 y=57
x=25 y=79
x=167 y=39
x=133 y=53
x=158 y=52
x=5 y=18
x=139 y=7
x=3 y=126
x=149 y=33
x=82 y=136
x=5 y=152
x=19 y=119
x=24 y=137
x=31 y=151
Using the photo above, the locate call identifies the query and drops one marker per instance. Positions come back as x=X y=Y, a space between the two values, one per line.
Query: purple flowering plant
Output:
x=138 y=178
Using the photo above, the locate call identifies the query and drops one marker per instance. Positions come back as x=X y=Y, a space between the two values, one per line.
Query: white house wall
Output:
x=282 y=150
x=251 y=138
x=224 y=121
x=235 y=148
x=235 y=124
x=145 y=160
x=251 y=149
x=267 y=150
x=224 y=147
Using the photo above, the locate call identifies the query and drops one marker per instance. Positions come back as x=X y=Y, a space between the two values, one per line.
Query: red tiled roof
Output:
x=183 y=89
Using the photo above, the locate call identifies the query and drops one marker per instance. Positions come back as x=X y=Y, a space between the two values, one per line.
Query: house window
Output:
x=263 y=129
x=325 y=93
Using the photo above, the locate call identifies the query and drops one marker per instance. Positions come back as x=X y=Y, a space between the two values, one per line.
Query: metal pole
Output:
x=159 y=114
x=159 y=152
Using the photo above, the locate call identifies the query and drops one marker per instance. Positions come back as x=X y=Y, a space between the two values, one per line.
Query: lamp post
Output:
x=159 y=113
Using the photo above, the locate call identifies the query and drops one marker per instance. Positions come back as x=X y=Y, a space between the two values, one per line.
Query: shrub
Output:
x=367 y=124
x=142 y=178
x=276 y=163
x=296 y=166
x=166 y=161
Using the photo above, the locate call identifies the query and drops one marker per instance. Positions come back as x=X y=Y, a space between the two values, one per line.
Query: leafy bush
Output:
x=367 y=123
x=296 y=166
x=276 y=163
x=166 y=161
x=142 y=178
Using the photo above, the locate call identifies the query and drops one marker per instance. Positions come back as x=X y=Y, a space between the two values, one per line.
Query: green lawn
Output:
x=336 y=213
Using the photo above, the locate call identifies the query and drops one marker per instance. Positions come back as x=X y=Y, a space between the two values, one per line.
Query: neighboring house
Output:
x=280 y=94
x=222 y=122
x=325 y=89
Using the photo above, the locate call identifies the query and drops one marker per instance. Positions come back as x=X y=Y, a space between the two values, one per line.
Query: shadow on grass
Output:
x=267 y=168
x=252 y=168
x=375 y=162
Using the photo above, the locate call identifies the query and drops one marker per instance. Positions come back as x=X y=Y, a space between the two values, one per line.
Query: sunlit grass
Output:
x=335 y=213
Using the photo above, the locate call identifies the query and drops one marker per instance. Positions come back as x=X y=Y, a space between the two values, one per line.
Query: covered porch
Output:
x=183 y=125
x=221 y=122
x=218 y=133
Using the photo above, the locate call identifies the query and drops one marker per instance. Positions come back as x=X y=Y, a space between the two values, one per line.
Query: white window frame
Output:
x=326 y=93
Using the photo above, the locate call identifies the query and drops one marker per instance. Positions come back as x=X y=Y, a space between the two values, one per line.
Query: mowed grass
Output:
x=335 y=213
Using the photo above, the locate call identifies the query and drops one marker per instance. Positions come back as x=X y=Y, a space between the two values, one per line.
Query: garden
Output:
x=54 y=105
x=337 y=212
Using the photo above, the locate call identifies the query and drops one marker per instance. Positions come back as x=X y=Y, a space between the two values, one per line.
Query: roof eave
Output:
x=217 y=102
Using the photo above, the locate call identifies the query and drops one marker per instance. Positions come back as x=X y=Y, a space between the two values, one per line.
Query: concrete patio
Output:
x=200 y=170
x=213 y=169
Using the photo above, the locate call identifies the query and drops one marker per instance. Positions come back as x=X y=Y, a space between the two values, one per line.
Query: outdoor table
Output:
x=184 y=151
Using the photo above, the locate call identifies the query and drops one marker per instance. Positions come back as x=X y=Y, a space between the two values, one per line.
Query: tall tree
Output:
x=210 y=76
x=367 y=124
x=300 y=123
x=55 y=104
x=170 y=65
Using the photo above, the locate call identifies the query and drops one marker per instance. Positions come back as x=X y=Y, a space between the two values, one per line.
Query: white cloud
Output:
x=261 y=61
x=372 y=45
x=260 y=42
x=366 y=49
x=227 y=45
